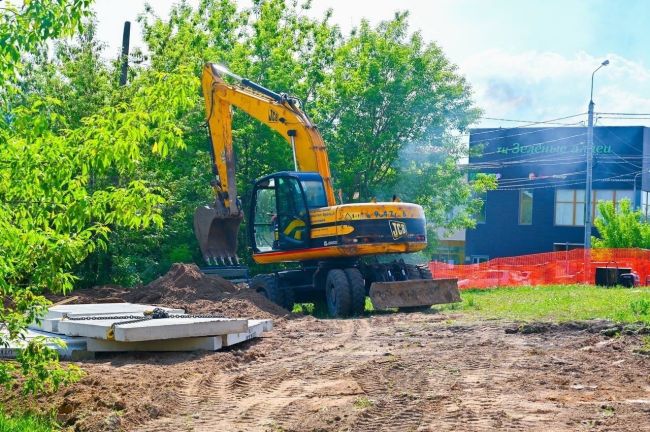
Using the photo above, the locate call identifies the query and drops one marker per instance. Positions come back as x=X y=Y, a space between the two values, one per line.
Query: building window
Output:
x=569 y=207
x=570 y=204
x=610 y=195
x=525 y=207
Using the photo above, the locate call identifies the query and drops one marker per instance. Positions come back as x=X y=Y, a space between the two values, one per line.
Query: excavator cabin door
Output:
x=280 y=215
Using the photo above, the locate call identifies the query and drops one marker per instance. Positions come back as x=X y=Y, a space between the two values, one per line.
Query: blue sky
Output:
x=525 y=59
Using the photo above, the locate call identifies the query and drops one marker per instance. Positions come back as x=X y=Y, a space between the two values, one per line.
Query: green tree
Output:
x=621 y=228
x=271 y=43
x=391 y=111
x=58 y=196
x=407 y=146
x=25 y=28
x=389 y=106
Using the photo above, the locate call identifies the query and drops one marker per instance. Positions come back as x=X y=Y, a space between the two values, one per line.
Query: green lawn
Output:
x=25 y=423
x=556 y=303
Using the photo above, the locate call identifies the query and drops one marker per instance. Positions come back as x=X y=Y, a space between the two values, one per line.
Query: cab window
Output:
x=314 y=193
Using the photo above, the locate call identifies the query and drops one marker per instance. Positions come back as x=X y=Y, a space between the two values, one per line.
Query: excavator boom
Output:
x=216 y=225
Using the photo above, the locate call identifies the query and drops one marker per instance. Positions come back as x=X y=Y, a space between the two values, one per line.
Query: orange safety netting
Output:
x=564 y=267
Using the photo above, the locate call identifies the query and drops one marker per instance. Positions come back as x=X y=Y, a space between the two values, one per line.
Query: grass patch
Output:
x=556 y=303
x=318 y=310
x=25 y=423
x=363 y=403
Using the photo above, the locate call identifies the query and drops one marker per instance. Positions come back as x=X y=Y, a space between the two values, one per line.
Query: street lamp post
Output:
x=590 y=148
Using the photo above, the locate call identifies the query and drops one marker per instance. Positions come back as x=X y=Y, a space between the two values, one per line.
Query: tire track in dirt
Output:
x=408 y=372
x=250 y=397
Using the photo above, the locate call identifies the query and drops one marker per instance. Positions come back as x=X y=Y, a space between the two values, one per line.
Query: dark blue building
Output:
x=539 y=205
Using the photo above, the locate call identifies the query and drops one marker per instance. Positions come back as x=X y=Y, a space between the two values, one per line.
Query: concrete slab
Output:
x=267 y=324
x=50 y=323
x=206 y=343
x=255 y=330
x=156 y=329
x=47 y=325
x=76 y=347
x=103 y=308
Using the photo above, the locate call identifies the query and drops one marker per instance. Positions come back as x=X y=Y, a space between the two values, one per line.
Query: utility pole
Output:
x=126 y=35
x=588 y=193
x=590 y=149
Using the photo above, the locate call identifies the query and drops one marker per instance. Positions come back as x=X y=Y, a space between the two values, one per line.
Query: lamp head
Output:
x=605 y=63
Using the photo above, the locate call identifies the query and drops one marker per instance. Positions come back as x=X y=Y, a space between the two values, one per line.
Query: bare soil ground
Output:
x=392 y=372
x=386 y=372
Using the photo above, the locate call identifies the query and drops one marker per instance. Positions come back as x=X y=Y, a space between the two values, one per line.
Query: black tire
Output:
x=337 y=291
x=268 y=286
x=320 y=308
x=357 y=291
x=425 y=272
x=412 y=272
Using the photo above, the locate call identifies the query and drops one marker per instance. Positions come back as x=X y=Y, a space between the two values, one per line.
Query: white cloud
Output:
x=541 y=85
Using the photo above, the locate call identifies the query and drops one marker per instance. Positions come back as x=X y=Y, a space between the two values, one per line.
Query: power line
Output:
x=550 y=186
x=550 y=177
x=624 y=114
x=571 y=182
x=622 y=118
x=620 y=140
x=528 y=121
x=542 y=130
x=492 y=130
x=533 y=144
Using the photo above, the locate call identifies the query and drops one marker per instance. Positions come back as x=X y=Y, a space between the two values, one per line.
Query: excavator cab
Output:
x=280 y=211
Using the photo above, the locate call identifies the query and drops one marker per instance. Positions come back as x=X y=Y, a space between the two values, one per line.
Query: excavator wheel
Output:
x=337 y=291
x=357 y=290
x=425 y=272
x=268 y=286
x=412 y=272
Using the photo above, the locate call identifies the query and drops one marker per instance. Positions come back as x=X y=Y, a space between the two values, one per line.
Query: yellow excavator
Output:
x=294 y=216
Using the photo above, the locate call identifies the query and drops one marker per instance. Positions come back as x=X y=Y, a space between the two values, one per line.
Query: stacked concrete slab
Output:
x=75 y=348
x=115 y=327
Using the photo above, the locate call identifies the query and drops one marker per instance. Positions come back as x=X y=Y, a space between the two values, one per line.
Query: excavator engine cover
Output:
x=414 y=293
x=216 y=232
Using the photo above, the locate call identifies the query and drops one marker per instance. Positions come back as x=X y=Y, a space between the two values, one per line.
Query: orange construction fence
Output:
x=564 y=267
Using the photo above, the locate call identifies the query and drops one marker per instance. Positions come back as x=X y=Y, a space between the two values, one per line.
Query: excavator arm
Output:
x=280 y=112
x=216 y=226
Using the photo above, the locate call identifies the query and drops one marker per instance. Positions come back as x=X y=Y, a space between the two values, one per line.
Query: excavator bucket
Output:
x=216 y=232
x=414 y=293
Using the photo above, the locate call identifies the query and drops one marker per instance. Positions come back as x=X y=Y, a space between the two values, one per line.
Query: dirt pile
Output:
x=183 y=282
x=184 y=286
x=97 y=294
